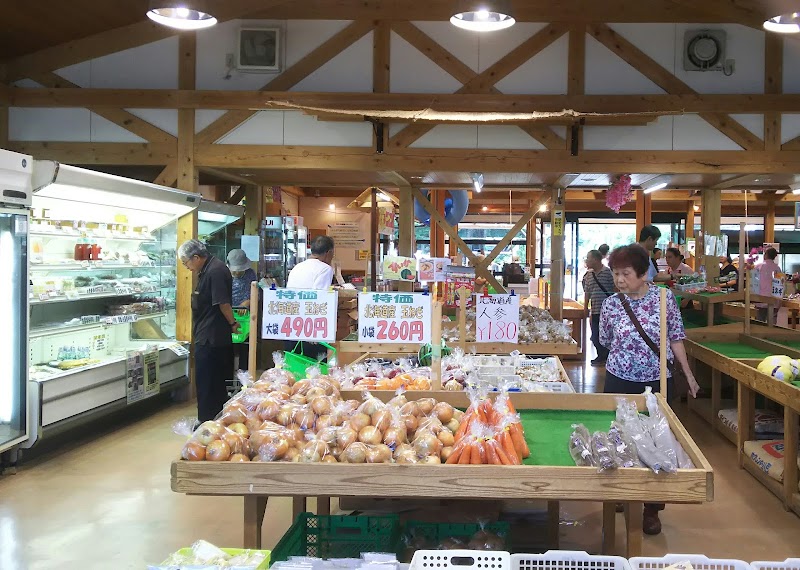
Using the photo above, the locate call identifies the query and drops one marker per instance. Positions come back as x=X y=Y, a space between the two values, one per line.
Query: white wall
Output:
x=317 y=214
x=155 y=66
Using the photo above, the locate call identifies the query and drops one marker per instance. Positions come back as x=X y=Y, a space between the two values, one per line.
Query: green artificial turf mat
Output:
x=788 y=343
x=547 y=432
x=735 y=350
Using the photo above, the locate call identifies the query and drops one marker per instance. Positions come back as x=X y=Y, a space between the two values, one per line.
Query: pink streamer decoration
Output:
x=619 y=193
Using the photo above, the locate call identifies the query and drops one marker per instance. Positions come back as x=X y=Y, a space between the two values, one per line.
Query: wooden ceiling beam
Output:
x=628 y=107
x=229 y=176
x=662 y=77
x=118 y=39
x=610 y=121
x=735 y=181
x=289 y=78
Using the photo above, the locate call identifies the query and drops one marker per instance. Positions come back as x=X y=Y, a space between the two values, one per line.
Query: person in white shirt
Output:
x=316 y=272
x=675 y=265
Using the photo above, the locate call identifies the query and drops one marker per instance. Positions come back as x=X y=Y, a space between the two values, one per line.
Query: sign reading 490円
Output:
x=299 y=314
x=394 y=317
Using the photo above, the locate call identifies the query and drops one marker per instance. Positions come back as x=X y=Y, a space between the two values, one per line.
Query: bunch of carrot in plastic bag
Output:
x=490 y=433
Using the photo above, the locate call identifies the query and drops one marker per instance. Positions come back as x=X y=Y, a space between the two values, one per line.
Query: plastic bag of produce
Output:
x=603 y=452
x=662 y=433
x=637 y=429
x=623 y=446
x=580 y=447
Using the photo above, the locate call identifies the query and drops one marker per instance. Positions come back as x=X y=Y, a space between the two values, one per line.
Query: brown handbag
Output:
x=680 y=382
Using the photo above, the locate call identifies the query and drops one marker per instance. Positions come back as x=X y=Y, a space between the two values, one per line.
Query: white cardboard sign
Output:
x=394 y=317
x=299 y=314
x=497 y=318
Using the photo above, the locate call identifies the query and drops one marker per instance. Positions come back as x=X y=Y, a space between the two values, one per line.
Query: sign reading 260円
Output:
x=299 y=314
x=394 y=317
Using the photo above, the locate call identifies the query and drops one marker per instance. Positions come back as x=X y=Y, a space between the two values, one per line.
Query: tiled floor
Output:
x=102 y=500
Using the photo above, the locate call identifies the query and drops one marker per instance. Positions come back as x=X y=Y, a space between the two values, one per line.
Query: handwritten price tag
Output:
x=121 y=319
x=123 y=290
x=44 y=296
x=96 y=290
x=497 y=318
x=394 y=317
x=299 y=314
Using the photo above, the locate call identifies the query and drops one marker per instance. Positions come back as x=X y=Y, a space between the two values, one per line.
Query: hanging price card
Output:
x=497 y=318
x=394 y=317
x=299 y=314
x=778 y=287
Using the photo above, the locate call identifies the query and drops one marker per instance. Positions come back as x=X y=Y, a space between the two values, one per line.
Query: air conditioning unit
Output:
x=704 y=50
x=258 y=50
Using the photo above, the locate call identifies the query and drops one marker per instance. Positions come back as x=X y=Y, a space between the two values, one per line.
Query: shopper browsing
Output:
x=648 y=238
x=675 y=265
x=598 y=285
x=766 y=272
x=314 y=273
x=212 y=325
x=243 y=275
x=632 y=364
x=728 y=273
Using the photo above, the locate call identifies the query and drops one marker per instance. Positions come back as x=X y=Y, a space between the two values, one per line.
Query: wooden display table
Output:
x=710 y=301
x=709 y=346
x=257 y=481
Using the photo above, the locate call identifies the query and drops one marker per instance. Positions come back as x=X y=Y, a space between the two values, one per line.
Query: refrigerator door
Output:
x=14 y=322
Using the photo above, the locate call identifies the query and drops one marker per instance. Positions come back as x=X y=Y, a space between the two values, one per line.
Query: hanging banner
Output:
x=394 y=317
x=496 y=318
x=558 y=222
x=397 y=268
x=347 y=234
x=299 y=314
x=386 y=221
x=432 y=269
x=452 y=284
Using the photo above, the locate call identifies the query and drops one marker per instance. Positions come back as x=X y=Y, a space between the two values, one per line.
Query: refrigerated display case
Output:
x=213 y=221
x=284 y=244
x=102 y=294
x=15 y=196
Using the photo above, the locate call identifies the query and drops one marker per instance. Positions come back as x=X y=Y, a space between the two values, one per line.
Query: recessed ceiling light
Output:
x=543 y=208
x=485 y=209
x=784 y=24
x=332 y=206
x=483 y=15
x=181 y=14
x=696 y=208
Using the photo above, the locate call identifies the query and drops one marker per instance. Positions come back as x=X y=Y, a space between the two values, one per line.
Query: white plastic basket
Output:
x=698 y=562
x=788 y=564
x=460 y=560
x=560 y=387
x=536 y=361
x=690 y=286
x=567 y=560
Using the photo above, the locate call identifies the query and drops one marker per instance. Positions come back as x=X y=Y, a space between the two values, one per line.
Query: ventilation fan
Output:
x=704 y=50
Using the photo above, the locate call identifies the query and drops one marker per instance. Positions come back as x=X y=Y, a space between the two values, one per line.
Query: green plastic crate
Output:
x=297 y=363
x=434 y=533
x=234 y=552
x=338 y=536
x=242 y=316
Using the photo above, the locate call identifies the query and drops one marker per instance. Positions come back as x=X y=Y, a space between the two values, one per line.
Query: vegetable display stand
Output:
x=548 y=474
x=710 y=301
x=728 y=351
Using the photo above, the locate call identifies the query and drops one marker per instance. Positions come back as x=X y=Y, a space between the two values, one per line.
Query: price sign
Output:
x=96 y=290
x=558 y=222
x=123 y=290
x=778 y=288
x=497 y=318
x=299 y=314
x=394 y=317
x=44 y=296
x=121 y=319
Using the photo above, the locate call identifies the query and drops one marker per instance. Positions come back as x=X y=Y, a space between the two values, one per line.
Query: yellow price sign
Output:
x=558 y=222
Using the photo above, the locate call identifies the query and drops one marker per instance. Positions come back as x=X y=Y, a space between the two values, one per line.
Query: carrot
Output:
x=466 y=421
x=491 y=454
x=508 y=447
x=482 y=415
x=511 y=409
x=526 y=451
x=518 y=440
x=501 y=454
x=455 y=456
x=475 y=457
x=465 y=456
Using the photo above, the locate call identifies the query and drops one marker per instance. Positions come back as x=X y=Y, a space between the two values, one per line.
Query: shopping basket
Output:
x=297 y=363
x=242 y=317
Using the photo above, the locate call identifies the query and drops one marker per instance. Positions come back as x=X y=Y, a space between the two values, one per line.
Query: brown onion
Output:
x=370 y=435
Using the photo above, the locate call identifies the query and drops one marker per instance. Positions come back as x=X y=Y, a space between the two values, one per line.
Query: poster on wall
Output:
x=432 y=269
x=347 y=235
x=386 y=221
x=396 y=268
x=452 y=284
x=141 y=374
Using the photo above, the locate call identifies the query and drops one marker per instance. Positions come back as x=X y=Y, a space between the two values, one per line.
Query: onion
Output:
x=386 y=453
x=298 y=399
x=193 y=451
x=321 y=405
x=323 y=422
x=434 y=459
x=316 y=392
x=446 y=437
x=355 y=453
x=328 y=434
x=458 y=414
x=446 y=453
x=218 y=451
x=381 y=419
x=411 y=408
x=234 y=413
x=329 y=459
x=346 y=436
x=240 y=428
x=235 y=442
x=293 y=455
x=412 y=423
x=374 y=454
x=426 y=405
x=370 y=435
x=296 y=433
x=314 y=451
x=301 y=387
x=371 y=405
x=239 y=458
x=443 y=411
x=397 y=402
x=305 y=418
x=426 y=443
x=360 y=421
x=285 y=414
x=453 y=425
x=406 y=457
x=395 y=436
x=453 y=386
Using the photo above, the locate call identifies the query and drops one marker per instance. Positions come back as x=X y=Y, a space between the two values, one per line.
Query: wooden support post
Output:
x=769 y=221
x=463 y=295
x=773 y=85
x=530 y=241
x=187 y=229
x=405 y=244
x=299 y=505
x=609 y=529
x=3 y=127
x=255 y=507
x=633 y=530
x=746 y=432
x=689 y=231
x=253 y=209
x=716 y=396
x=374 y=240
x=644 y=211
x=553 y=522
x=437 y=233
x=436 y=344
x=790 y=430
x=252 y=346
x=557 y=226
x=712 y=210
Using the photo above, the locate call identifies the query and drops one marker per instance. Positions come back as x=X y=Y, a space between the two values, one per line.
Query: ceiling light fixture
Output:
x=654 y=184
x=477 y=181
x=696 y=208
x=784 y=24
x=181 y=14
x=485 y=209
x=795 y=188
x=543 y=208
x=483 y=15
x=332 y=206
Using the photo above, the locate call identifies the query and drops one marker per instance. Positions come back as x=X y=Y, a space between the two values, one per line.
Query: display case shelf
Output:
x=48 y=330
x=77 y=266
x=65 y=299
x=78 y=235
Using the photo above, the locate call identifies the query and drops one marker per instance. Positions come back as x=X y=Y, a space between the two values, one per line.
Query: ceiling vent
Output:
x=704 y=50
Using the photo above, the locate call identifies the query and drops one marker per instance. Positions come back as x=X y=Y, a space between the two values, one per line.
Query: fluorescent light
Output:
x=696 y=208
x=656 y=183
x=331 y=206
x=9 y=360
x=784 y=24
x=658 y=186
x=485 y=209
x=181 y=14
x=477 y=181
x=483 y=15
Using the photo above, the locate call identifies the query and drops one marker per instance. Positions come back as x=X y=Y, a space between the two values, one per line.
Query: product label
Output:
x=299 y=314
x=394 y=317
x=497 y=318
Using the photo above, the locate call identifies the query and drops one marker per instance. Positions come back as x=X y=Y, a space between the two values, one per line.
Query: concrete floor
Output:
x=102 y=500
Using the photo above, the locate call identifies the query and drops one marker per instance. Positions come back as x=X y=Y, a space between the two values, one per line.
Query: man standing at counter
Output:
x=212 y=325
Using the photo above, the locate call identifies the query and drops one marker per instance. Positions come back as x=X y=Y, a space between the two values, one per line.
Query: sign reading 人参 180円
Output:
x=394 y=317
x=299 y=314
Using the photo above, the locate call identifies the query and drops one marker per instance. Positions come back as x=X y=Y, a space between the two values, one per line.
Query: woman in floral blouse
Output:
x=631 y=365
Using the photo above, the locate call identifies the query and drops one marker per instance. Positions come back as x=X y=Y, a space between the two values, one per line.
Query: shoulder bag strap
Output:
x=645 y=337
x=596 y=280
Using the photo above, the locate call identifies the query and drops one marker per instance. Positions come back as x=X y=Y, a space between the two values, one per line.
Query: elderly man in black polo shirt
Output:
x=213 y=323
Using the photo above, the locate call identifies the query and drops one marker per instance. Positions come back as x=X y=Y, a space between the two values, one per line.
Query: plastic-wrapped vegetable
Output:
x=662 y=433
x=603 y=452
x=580 y=447
x=623 y=446
x=636 y=428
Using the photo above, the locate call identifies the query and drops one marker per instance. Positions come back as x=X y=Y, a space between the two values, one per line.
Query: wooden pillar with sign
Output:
x=712 y=210
x=557 y=223
x=530 y=240
x=689 y=231
x=405 y=243
x=769 y=221
x=644 y=211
